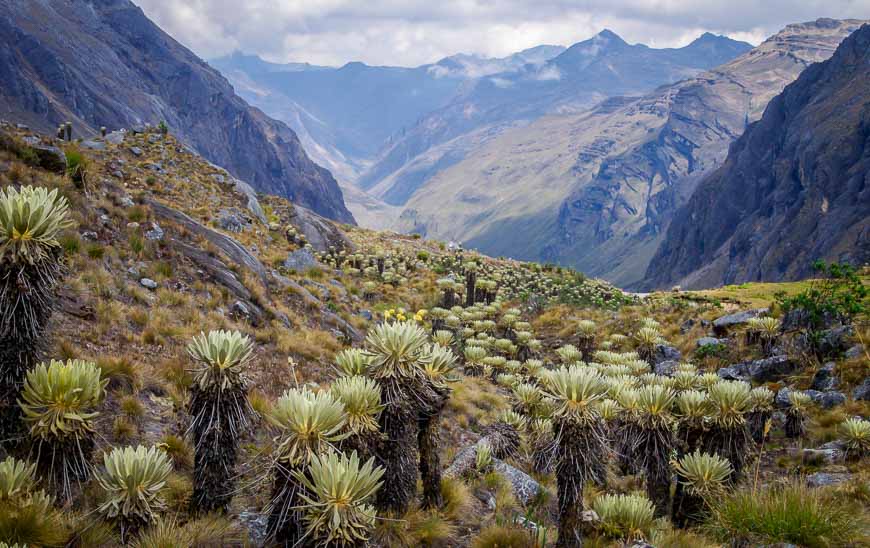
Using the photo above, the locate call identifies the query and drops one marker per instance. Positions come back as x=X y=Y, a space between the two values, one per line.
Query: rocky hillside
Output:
x=581 y=76
x=103 y=63
x=794 y=188
x=597 y=190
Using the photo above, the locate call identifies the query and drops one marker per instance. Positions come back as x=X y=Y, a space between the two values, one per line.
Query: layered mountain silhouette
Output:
x=597 y=190
x=575 y=80
x=104 y=63
x=794 y=188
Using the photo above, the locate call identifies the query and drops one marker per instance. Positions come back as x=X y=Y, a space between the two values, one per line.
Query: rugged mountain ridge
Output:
x=103 y=63
x=597 y=190
x=794 y=188
x=578 y=78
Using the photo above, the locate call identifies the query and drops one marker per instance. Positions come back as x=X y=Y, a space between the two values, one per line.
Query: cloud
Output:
x=414 y=32
x=549 y=72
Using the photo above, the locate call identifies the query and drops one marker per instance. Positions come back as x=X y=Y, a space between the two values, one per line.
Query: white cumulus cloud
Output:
x=414 y=32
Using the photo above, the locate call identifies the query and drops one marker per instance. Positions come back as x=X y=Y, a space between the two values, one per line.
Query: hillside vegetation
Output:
x=187 y=363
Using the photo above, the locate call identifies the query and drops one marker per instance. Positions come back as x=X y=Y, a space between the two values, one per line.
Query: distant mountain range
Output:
x=103 y=63
x=597 y=190
x=389 y=129
x=575 y=80
x=794 y=188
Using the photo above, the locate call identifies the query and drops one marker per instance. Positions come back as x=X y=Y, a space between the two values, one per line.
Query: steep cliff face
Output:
x=597 y=190
x=794 y=188
x=612 y=225
x=103 y=63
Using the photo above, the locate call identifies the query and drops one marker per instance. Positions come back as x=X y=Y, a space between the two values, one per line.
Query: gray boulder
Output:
x=136 y=151
x=666 y=368
x=831 y=398
x=798 y=318
x=824 y=379
x=524 y=486
x=300 y=260
x=687 y=326
x=835 y=342
x=781 y=400
x=94 y=145
x=825 y=479
x=116 y=137
x=826 y=400
x=735 y=372
x=148 y=283
x=50 y=158
x=772 y=368
x=156 y=233
x=828 y=454
x=764 y=370
x=854 y=352
x=232 y=220
x=126 y=201
x=250 y=196
x=862 y=392
x=664 y=353
x=723 y=324
x=710 y=341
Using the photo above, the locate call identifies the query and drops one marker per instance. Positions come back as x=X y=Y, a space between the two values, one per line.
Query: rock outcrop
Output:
x=795 y=187
x=103 y=63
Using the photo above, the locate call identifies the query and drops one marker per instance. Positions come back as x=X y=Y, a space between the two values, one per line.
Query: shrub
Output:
x=76 y=165
x=839 y=293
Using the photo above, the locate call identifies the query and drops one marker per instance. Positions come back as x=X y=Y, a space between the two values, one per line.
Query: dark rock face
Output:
x=793 y=189
x=106 y=64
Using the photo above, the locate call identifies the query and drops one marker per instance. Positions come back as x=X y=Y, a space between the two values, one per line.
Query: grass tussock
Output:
x=790 y=513
x=504 y=536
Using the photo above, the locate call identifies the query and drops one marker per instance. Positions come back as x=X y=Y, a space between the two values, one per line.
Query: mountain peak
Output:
x=708 y=39
x=610 y=36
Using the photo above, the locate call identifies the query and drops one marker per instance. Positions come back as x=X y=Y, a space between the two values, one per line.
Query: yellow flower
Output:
x=418 y=318
x=401 y=317
x=422 y=312
x=401 y=311
x=388 y=314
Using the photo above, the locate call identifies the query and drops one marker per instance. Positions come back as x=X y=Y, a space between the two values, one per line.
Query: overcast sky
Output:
x=414 y=32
